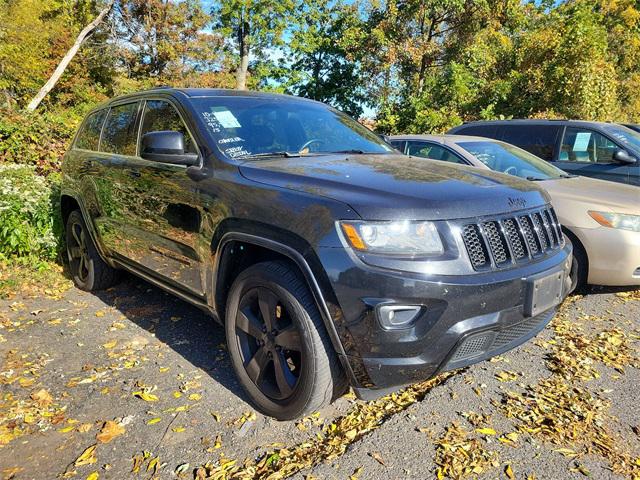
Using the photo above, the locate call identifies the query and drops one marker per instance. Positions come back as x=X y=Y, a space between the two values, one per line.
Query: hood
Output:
x=388 y=187
x=573 y=197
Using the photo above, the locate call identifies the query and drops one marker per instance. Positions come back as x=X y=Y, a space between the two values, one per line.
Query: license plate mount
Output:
x=543 y=292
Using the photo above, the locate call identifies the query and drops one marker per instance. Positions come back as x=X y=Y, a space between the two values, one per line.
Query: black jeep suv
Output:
x=330 y=259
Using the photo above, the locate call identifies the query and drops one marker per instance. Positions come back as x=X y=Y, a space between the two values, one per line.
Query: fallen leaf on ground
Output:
x=509 y=472
x=146 y=396
x=42 y=398
x=110 y=430
x=87 y=457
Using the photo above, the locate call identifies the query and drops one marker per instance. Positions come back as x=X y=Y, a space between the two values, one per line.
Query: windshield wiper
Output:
x=273 y=154
x=566 y=175
x=536 y=179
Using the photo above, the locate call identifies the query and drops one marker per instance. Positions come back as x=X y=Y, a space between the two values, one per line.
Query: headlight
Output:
x=400 y=238
x=622 y=221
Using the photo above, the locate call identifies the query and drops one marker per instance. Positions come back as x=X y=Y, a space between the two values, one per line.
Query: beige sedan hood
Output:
x=573 y=197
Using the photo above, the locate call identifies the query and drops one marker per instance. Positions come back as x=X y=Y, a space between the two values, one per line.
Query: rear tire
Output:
x=87 y=268
x=279 y=348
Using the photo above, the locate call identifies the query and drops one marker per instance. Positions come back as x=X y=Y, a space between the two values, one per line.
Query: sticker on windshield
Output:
x=226 y=119
x=223 y=141
x=582 y=142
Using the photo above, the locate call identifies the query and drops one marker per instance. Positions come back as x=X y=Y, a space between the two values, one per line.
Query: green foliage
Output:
x=29 y=218
x=164 y=41
x=495 y=59
x=38 y=140
x=320 y=66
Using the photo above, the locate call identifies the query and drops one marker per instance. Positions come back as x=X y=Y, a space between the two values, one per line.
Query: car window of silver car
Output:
x=506 y=158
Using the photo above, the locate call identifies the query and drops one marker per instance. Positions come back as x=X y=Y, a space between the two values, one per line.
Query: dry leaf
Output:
x=486 y=431
x=110 y=430
x=42 y=398
x=146 y=396
x=93 y=476
x=509 y=472
x=153 y=420
x=87 y=457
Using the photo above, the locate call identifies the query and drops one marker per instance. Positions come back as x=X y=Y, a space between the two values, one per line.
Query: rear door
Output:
x=589 y=153
x=113 y=190
x=165 y=219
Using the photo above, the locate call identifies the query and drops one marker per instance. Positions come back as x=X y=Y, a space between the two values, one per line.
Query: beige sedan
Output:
x=601 y=218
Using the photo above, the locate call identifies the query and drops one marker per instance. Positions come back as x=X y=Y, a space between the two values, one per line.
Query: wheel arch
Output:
x=262 y=243
x=70 y=201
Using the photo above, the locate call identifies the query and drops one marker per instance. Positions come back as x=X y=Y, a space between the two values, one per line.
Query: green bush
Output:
x=29 y=213
x=36 y=139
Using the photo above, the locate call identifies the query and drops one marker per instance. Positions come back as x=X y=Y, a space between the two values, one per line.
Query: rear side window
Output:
x=537 y=139
x=397 y=144
x=160 y=115
x=89 y=134
x=432 y=151
x=120 y=135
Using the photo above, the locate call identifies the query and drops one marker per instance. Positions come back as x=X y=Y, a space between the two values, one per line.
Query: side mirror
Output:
x=166 y=147
x=623 y=156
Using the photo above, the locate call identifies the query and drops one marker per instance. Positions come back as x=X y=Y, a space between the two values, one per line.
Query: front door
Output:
x=589 y=153
x=164 y=234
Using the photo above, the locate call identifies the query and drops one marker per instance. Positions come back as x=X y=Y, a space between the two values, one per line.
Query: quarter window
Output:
x=119 y=135
x=398 y=145
x=160 y=115
x=587 y=146
x=432 y=151
x=89 y=135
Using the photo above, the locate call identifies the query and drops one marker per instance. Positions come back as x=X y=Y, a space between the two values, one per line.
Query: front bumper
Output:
x=464 y=319
x=614 y=255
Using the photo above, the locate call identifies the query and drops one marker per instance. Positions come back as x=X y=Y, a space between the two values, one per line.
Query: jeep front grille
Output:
x=500 y=243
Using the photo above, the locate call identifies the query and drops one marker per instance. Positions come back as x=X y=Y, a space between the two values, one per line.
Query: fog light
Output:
x=397 y=316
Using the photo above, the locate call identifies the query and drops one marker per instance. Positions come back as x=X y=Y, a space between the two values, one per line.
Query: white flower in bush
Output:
x=28 y=206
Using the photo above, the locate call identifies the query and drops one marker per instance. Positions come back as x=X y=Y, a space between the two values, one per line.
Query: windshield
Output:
x=506 y=158
x=625 y=135
x=250 y=127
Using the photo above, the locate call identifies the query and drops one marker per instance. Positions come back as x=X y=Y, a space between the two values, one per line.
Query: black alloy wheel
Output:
x=269 y=343
x=77 y=250
x=88 y=269
x=278 y=344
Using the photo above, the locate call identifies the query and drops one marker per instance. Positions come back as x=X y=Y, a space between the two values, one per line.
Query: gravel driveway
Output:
x=132 y=383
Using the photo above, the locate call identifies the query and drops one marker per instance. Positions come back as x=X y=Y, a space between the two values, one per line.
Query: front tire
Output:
x=279 y=348
x=87 y=268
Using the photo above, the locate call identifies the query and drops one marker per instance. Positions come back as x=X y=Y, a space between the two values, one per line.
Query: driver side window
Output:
x=586 y=146
x=160 y=115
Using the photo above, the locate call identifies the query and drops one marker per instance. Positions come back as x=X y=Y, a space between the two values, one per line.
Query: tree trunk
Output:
x=64 y=63
x=243 y=66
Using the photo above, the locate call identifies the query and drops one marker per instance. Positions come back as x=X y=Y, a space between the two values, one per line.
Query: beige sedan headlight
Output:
x=623 y=221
